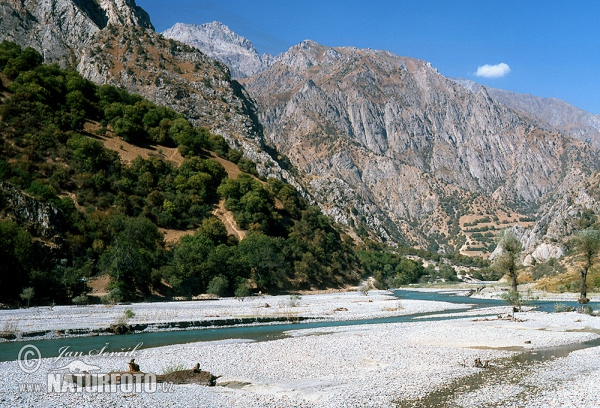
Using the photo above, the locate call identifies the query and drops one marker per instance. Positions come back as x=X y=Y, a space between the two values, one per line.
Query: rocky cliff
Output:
x=554 y=113
x=41 y=219
x=388 y=141
x=575 y=209
x=219 y=42
x=60 y=29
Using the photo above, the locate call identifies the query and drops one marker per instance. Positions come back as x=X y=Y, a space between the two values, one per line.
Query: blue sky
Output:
x=550 y=48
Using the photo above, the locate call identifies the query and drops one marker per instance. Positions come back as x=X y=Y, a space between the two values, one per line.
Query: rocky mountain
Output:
x=384 y=144
x=575 y=209
x=387 y=141
x=113 y=41
x=219 y=42
x=557 y=114
x=59 y=29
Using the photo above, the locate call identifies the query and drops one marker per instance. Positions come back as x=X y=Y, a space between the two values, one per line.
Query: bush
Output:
x=114 y=296
x=80 y=300
x=561 y=308
x=172 y=367
x=588 y=310
x=242 y=290
x=218 y=286
x=27 y=294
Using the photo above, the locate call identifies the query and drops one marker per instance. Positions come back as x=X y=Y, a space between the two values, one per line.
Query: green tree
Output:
x=135 y=249
x=508 y=261
x=267 y=263
x=191 y=270
x=586 y=244
x=16 y=252
x=27 y=294
x=218 y=286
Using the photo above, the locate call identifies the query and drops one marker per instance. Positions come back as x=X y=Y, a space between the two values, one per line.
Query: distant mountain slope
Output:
x=559 y=114
x=575 y=209
x=387 y=140
x=384 y=144
x=219 y=42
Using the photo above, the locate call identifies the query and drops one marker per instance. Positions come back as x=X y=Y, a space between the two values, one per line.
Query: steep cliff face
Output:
x=219 y=42
x=374 y=130
x=575 y=209
x=61 y=29
x=41 y=219
x=552 y=112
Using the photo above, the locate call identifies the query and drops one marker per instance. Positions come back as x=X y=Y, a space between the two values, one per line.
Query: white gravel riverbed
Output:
x=351 y=366
x=332 y=306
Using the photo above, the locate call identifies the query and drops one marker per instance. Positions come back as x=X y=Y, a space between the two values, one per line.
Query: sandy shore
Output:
x=359 y=366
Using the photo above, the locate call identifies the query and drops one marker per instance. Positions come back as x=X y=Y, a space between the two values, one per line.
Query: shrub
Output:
x=27 y=294
x=80 y=300
x=242 y=290
x=561 y=308
x=114 y=296
x=172 y=367
x=218 y=286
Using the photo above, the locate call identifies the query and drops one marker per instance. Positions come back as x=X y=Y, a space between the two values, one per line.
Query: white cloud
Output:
x=493 y=71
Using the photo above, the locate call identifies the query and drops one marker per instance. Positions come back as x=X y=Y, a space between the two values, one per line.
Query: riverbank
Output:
x=71 y=321
x=493 y=290
x=351 y=366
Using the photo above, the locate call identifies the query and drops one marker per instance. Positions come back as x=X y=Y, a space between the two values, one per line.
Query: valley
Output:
x=328 y=225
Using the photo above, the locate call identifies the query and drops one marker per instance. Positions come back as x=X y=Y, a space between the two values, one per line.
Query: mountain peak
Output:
x=60 y=29
x=218 y=41
x=119 y=12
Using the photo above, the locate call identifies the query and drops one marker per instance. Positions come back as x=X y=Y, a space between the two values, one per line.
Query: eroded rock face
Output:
x=560 y=219
x=42 y=219
x=219 y=42
x=61 y=29
x=551 y=112
x=388 y=140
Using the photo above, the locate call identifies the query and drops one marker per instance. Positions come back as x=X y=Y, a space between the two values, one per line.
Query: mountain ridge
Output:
x=396 y=132
x=386 y=145
x=556 y=113
x=219 y=42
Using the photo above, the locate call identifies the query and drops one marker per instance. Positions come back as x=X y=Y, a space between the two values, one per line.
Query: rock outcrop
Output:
x=219 y=42
x=41 y=219
x=560 y=219
x=61 y=29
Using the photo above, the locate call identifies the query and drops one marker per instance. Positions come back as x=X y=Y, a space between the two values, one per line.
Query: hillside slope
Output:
x=552 y=112
x=71 y=208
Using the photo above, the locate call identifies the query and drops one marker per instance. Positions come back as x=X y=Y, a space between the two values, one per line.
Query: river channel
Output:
x=114 y=343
